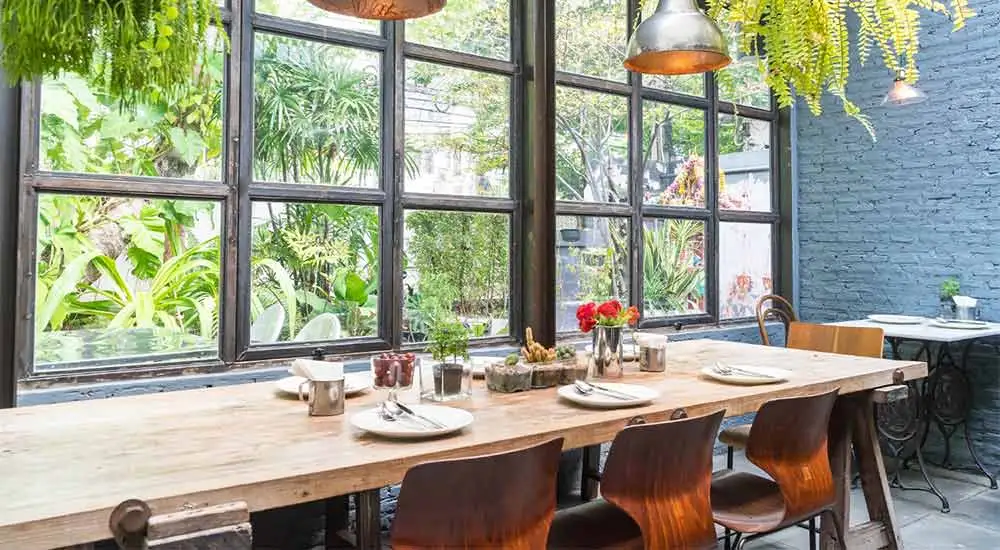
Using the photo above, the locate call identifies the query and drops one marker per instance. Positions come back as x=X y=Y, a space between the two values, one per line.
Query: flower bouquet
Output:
x=607 y=322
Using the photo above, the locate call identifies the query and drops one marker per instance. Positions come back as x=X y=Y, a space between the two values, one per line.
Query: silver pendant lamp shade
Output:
x=677 y=39
x=903 y=93
x=384 y=10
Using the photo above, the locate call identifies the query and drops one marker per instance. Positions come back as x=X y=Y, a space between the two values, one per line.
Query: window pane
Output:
x=591 y=146
x=742 y=81
x=673 y=270
x=316 y=113
x=673 y=149
x=480 y=27
x=456 y=264
x=303 y=11
x=85 y=129
x=691 y=84
x=590 y=37
x=744 y=163
x=314 y=270
x=123 y=280
x=592 y=264
x=744 y=267
x=457 y=131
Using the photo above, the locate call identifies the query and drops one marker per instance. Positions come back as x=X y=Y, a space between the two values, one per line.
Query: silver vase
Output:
x=607 y=356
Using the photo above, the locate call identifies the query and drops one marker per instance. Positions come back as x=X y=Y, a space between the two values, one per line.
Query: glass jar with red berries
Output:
x=393 y=371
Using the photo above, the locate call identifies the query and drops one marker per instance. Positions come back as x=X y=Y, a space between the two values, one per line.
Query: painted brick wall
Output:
x=882 y=224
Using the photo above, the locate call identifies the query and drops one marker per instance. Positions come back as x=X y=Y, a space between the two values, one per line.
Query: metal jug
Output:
x=326 y=397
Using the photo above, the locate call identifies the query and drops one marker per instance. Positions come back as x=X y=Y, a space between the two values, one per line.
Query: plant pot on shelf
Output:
x=504 y=378
x=570 y=235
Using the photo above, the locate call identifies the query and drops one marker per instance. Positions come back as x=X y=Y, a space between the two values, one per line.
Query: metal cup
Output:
x=326 y=397
x=652 y=359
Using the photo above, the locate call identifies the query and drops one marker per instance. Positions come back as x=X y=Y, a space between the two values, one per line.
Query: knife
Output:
x=410 y=412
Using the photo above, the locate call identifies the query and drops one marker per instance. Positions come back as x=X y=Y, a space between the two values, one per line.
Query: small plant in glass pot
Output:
x=450 y=377
x=949 y=289
x=508 y=377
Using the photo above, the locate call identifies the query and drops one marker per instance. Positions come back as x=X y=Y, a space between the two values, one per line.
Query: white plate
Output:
x=770 y=375
x=960 y=325
x=897 y=319
x=354 y=383
x=410 y=428
x=599 y=400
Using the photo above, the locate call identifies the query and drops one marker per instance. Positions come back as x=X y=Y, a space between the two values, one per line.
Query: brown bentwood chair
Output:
x=773 y=306
x=656 y=487
x=503 y=500
x=788 y=441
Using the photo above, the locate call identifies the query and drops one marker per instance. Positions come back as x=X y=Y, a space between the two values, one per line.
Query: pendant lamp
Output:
x=381 y=9
x=903 y=93
x=677 y=39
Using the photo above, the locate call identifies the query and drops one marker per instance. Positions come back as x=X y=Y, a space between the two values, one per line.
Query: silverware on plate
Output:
x=407 y=410
x=585 y=388
x=727 y=370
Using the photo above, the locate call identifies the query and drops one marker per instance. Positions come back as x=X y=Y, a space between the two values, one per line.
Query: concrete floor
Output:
x=973 y=523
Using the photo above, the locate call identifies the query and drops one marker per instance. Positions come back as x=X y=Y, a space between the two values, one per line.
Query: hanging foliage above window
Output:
x=807 y=44
x=130 y=47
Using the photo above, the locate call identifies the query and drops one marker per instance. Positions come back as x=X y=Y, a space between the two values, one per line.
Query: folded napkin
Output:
x=324 y=371
x=964 y=301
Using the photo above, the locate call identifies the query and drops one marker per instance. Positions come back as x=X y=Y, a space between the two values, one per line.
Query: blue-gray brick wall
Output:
x=882 y=224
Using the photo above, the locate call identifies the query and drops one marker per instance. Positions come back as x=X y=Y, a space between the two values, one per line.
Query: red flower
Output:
x=610 y=309
x=586 y=311
x=586 y=325
x=633 y=315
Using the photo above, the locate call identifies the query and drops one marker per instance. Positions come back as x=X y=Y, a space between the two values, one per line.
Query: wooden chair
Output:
x=789 y=442
x=656 y=487
x=778 y=307
x=504 y=500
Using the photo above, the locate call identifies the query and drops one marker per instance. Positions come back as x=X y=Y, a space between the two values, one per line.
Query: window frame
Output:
x=531 y=205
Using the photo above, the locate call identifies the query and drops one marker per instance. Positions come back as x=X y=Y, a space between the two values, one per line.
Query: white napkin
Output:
x=964 y=301
x=324 y=371
x=650 y=340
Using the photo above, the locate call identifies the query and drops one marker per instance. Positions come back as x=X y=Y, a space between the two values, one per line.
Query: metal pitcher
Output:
x=326 y=397
x=607 y=356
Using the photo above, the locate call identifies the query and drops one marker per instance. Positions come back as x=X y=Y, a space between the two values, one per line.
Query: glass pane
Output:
x=673 y=270
x=316 y=113
x=456 y=264
x=85 y=129
x=480 y=27
x=744 y=163
x=691 y=84
x=590 y=37
x=314 y=272
x=744 y=267
x=673 y=152
x=742 y=81
x=591 y=146
x=124 y=280
x=303 y=11
x=457 y=131
x=592 y=264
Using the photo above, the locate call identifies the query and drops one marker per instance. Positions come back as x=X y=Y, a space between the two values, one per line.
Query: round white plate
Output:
x=599 y=400
x=355 y=383
x=959 y=325
x=897 y=319
x=406 y=427
x=771 y=375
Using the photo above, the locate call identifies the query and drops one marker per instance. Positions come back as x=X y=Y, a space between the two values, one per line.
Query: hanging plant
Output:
x=131 y=48
x=807 y=45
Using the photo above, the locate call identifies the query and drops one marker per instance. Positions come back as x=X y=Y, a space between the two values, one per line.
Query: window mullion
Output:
x=712 y=199
x=636 y=171
x=234 y=326
x=394 y=150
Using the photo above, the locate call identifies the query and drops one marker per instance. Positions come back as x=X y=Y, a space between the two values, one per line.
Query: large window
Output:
x=665 y=185
x=339 y=185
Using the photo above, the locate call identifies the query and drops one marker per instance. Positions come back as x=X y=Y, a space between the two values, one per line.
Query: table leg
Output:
x=369 y=519
x=591 y=472
x=839 y=447
x=336 y=522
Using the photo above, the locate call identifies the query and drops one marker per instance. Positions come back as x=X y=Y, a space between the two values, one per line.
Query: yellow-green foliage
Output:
x=808 y=46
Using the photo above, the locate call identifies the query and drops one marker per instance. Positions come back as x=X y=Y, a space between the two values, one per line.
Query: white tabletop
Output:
x=926 y=332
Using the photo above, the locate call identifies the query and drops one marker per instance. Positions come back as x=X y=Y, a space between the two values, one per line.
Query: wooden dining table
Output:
x=65 y=467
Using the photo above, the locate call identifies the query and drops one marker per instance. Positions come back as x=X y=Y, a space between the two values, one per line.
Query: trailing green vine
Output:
x=131 y=48
x=807 y=44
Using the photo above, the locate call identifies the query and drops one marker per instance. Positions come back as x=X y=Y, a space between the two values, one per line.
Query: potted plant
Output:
x=508 y=377
x=546 y=366
x=950 y=288
x=573 y=369
x=607 y=322
x=450 y=376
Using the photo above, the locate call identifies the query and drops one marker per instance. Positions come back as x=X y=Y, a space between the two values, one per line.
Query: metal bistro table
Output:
x=946 y=395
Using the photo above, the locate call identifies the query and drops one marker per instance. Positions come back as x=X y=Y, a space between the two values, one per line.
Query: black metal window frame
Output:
x=531 y=205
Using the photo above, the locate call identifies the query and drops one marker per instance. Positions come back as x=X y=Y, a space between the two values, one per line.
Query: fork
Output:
x=727 y=370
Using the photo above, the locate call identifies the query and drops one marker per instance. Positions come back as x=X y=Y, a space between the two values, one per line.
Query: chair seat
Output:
x=746 y=502
x=595 y=524
x=735 y=436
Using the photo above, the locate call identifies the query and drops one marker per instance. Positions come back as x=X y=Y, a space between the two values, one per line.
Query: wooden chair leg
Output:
x=838 y=527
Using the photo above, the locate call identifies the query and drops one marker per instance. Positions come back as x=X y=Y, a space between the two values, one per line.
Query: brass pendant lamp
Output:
x=903 y=93
x=677 y=39
x=381 y=9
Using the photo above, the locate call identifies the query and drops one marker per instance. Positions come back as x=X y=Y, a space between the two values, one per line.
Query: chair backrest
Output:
x=769 y=306
x=788 y=440
x=503 y=500
x=661 y=475
x=860 y=341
